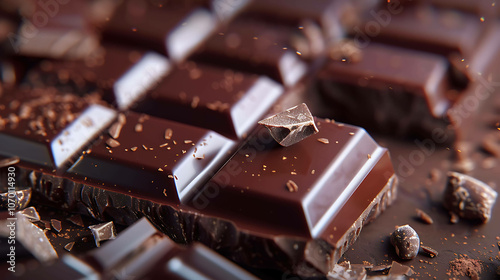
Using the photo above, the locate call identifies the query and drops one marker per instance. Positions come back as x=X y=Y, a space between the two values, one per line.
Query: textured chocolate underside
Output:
x=286 y=253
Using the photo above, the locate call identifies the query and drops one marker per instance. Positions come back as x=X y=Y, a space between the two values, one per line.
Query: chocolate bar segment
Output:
x=181 y=30
x=46 y=128
x=329 y=178
x=219 y=99
x=382 y=93
x=121 y=74
x=152 y=158
x=257 y=47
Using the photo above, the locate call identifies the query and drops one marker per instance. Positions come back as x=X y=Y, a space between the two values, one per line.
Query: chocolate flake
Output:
x=398 y=269
x=292 y=186
x=9 y=161
x=69 y=246
x=102 y=232
x=468 y=197
x=424 y=217
x=291 y=126
x=56 y=225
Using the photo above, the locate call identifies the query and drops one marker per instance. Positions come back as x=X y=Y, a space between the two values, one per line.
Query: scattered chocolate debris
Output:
x=468 y=197
x=102 y=232
x=429 y=251
x=291 y=126
x=465 y=267
x=31 y=214
x=292 y=186
x=9 y=161
x=69 y=246
x=424 y=217
x=56 y=225
x=112 y=143
x=406 y=242
x=77 y=220
x=323 y=140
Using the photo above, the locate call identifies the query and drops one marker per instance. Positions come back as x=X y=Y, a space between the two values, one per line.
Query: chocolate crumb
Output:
x=454 y=218
x=424 y=217
x=133 y=149
x=138 y=127
x=292 y=186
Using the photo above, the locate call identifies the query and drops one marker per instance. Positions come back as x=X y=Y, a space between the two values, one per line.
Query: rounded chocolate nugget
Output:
x=406 y=242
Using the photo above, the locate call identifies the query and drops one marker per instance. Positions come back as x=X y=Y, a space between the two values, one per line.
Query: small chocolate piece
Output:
x=77 y=220
x=291 y=126
x=56 y=225
x=429 y=251
x=34 y=238
x=69 y=246
x=424 y=217
x=454 y=218
x=102 y=232
x=21 y=197
x=406 y=242
x=31 y=214
x=468 y=197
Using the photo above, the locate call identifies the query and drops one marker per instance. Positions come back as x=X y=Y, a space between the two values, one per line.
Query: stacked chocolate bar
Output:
x=142 y=116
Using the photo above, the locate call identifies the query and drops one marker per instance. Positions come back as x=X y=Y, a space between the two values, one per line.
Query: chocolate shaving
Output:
x=292 y=186
x=291 y=126
x=429 y=251
x=323 y=140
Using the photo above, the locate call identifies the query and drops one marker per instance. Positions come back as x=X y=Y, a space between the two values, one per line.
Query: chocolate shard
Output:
x=468 y=197
x=77 y=220
x=398 y=269
x=31 y=214
x=291 y=126
x=34 y=238
x=56 y=224
x=102 y=232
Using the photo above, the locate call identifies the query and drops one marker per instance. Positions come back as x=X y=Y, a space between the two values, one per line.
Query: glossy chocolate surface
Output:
x=146 y=164
x=256 y=47
x=214 y=98
x=326 y=176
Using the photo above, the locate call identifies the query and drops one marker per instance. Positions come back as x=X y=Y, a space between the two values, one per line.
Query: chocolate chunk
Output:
x=34 y=238
x=103 y=232
x=429 y=251
x=291 y=126
x=424 y=217
x=227 y=101
x=406 y=242
x=69 y=246
x=56 y=225
x=468 y=197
